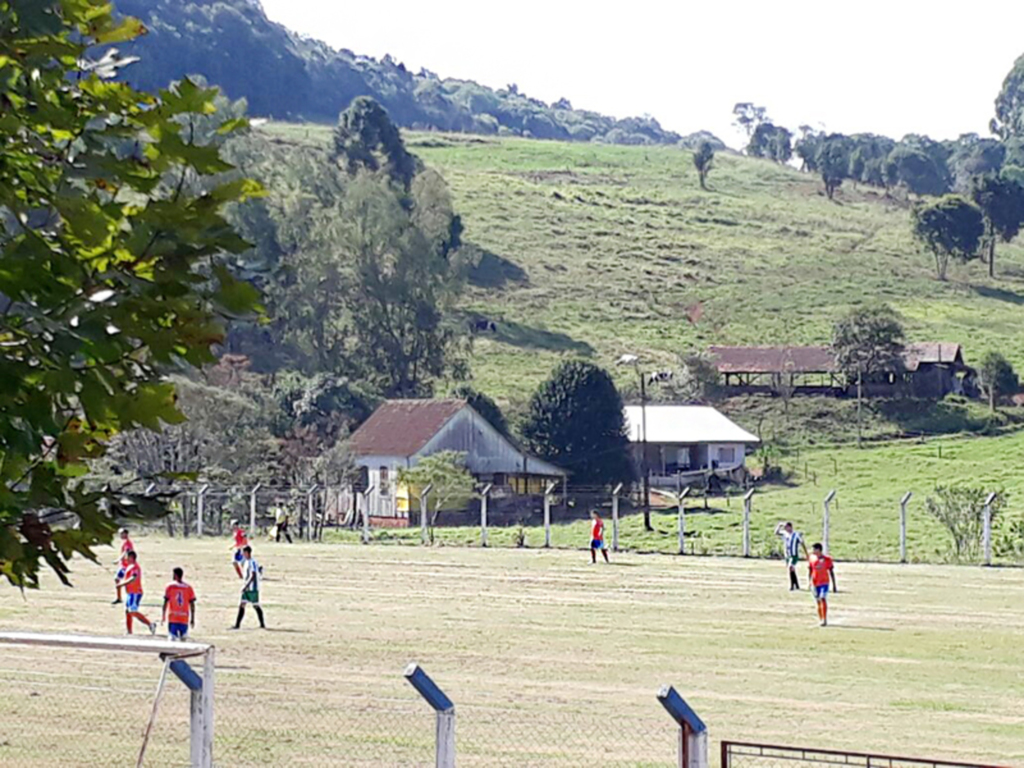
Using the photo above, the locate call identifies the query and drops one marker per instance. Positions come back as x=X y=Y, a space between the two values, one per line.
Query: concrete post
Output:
x=682 y=519
x=903 y=525
x=987 y=530
x=748 y=502
x=366 y=514
x=424 y=531
x=615 y=517
x=444 y=710
x=252 y=508
x=201 y=509
x=547 y=512
x=825 y=520
x=693 y=734
x=310 y=510
x=483 y=513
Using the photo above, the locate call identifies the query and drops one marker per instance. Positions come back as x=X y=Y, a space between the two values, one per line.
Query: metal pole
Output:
x=424 y=532
x=987 y=532
x=748 y=502
x=643 y=451
x=547 y=512
x=483 y=513
x=201 y=509
x=825 y=520
x=252 y=508
x=310 y=506
x=682 y=519
x=445 y=712
x=903 y=525
x=615 y=517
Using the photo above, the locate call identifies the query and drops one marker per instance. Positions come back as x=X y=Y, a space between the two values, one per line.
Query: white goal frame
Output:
x=173 y=654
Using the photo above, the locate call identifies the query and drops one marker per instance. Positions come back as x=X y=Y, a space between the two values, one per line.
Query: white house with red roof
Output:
x=400 y=432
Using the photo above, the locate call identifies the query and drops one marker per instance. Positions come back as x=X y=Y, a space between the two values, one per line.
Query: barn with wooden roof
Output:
x=926 y=369
x=400 y=432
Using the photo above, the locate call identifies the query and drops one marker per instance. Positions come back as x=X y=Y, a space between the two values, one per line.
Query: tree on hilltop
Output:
x=366 y=138
x=1002 y=204
x=703 y=159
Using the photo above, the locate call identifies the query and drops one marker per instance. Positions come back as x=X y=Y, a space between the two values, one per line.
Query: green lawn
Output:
x=549 y=661
x=598 y=250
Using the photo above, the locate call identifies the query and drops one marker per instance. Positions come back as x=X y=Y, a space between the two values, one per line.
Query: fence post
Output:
x=424 y=533
x=310 y=504
x=483 y=513
x=682 y=519
x=366 y=514
x=825 y=520
x=445 y=712
x=748 y=502
x=615 y=517
x=693 y=734
x=547 y=512
x=252 y=508
x=987 y=531
x=201 y=509
x=903 y=525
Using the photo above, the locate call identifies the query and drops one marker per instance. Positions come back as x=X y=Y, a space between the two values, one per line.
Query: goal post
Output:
x=191 y=663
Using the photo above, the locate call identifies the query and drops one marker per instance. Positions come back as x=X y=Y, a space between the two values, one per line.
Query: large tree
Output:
x=833 y=162
x=484 y=405
x=1002 y=204
x=703 y=158
x=867 y=341
x=576 y=420
x=996 y=377
x=1009 y=120
x=951 y=228
x=110 y=240
x=365 y=138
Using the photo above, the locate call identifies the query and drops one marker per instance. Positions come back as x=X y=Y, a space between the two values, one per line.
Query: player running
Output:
x=133 y=587
x=597 y=537
x=251 y=575
x=122 y=562
x=822 y=569
x=241 y=542
x=792 y=543
x=179 y=607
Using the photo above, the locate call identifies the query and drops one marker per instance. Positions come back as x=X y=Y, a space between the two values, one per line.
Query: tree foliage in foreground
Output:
x=110 y=233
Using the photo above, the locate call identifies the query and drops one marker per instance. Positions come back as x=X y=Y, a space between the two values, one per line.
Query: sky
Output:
x=895 y=67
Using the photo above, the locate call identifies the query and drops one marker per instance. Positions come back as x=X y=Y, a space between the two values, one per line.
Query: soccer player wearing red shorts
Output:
x=822 y=570
x=179 y=607
x=133 y=588
x=597 y=537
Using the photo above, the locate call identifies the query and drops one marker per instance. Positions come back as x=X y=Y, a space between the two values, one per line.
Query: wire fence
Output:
x=741 y=755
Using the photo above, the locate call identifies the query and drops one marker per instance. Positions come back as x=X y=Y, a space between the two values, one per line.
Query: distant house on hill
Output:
x=927 y=369
x=400 y=432
x=685 y=443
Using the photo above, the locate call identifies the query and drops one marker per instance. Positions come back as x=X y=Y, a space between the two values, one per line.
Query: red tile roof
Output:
x=403 y=427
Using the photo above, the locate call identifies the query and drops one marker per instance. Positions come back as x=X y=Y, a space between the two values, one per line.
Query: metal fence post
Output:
x=547 y=512
x=310 y=504
x=201 y=509
x=444 y=709
x=682 y=519
x=987 y=530
x=615 y=517
x=693 y=734
x=424 y=533
x=366 y=514
x=903 y=525
x=483 y=513
x=825 y=520
x=252 y=508
x=748 y=502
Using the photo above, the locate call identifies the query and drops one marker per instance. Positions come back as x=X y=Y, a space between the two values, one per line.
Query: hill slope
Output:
x=599 y=250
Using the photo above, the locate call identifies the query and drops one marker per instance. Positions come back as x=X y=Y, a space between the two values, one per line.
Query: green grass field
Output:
x=598 y=250
x=549 y=661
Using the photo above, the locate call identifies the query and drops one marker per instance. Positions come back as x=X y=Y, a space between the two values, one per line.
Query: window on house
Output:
x=683 y=458
x=727 y=455
x=385 y=484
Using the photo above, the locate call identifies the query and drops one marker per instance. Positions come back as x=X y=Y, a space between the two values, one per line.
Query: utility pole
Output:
x=643 y=451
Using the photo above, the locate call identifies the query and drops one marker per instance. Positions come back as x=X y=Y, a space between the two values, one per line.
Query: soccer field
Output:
x=549 y=660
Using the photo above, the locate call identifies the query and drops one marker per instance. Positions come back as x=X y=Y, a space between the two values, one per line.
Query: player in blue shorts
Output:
x=179 y=606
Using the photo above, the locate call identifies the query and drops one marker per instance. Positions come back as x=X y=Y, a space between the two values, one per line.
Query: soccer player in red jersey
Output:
x=179 y=607
x=241 y=542
x=133 y=587
x=822 y=571
x=122 y=561
x=597 y=537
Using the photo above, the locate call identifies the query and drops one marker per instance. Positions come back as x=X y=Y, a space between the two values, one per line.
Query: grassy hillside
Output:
x=597 y=250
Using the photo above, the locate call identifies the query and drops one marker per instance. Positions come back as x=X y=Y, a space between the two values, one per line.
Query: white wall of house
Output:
x=382 y=474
